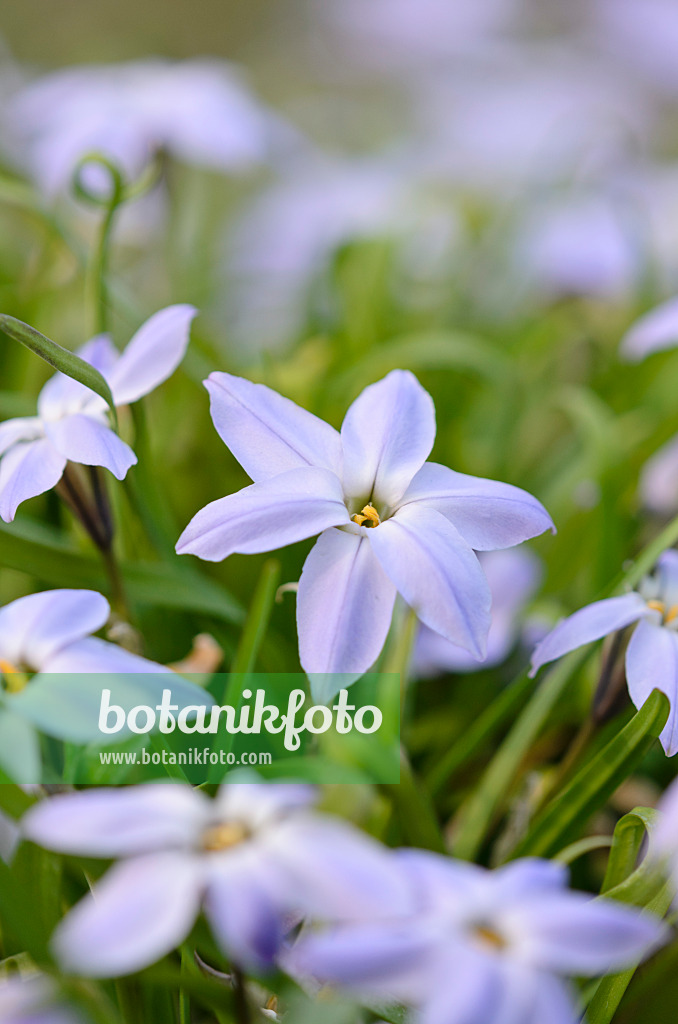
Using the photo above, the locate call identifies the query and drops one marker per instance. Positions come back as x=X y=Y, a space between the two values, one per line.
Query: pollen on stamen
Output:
x=489 y=937
x=671 y=615
x=6 y=668
x=224 y=836
x=368 y=516
x=657 y=606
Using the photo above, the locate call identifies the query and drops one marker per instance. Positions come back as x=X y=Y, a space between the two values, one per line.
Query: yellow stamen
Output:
x=657 y=606
x=223 y=837
x=489 y=937
x=368 y=516
x=671 y=614
x=7 y=668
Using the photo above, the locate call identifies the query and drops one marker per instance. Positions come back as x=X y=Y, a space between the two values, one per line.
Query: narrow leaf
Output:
x=60 y=358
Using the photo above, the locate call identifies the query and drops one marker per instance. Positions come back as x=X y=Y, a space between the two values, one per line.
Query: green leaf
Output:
x=596 y=781
x=629 y=836
x=40 y=551
x=60 y=358
x=643 y=887
x=478 y=812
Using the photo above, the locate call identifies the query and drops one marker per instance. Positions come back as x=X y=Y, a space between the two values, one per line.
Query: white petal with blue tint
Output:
x=141 y=910
x=268 y=433
x=118 y=822
x=28 y=428
x=34 y=628
x=152 y=355
x=652 y=664
x=487 y=513
x=588 y=624
x=437 y=573
x=654 y=332
x=571 y=933
x=265 y=516
x=386 y=436
x=89 y=441
x=26 y=470
x=344 y=605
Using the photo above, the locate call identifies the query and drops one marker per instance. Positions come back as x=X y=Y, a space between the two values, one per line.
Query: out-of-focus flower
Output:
x=482 y=947
x=579 y=246
x=397 y=35
x=52 y=632
x=284 y=241
x=389 y=521
x=652 y=653
x=659 y=480
x=72 y=421
x=256 y=857
x=654 y=332
x=513 y=576
x=34 y=1000
x=199 y=111
x=644 y=34
x=528 y=116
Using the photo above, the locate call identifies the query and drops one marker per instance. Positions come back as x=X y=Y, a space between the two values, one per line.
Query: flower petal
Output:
x=437 y=573
x=344 y=605
x=81 y=438
x=152 y=355
x=658 y=484
x=28 y=428
x=383 y=960
x=654 y=332
x=92 y=655
x=386 y=435
x=487 y=513
x=118 y=822
x=247 y=923
x=138 y=912
x=586 y=625
x=257 y=804
x=262 y=517
x=335 y=872
x=267 y=433
x=26 y=470
x=652 y=664
x=35 y=627
x=571 y=933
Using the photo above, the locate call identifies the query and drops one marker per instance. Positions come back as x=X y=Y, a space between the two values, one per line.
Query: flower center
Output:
x=489 y=937
x=368 y=516
x=668 y=615
x=224 y=836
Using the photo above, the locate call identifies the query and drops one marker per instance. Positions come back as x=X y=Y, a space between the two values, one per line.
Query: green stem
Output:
x=184 y=998
x=415 y=810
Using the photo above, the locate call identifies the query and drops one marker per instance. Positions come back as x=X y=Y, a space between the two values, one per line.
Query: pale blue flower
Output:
x=479 y=946
x=655 y=331
x=652 y=653
x=34 y=999
x=72 y=422
x=388 y=520
x=256 y=858
x=199 y=111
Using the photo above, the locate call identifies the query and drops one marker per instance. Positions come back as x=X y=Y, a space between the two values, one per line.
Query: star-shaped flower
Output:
x=72 y=421
x=257 y=857
x=389 y=522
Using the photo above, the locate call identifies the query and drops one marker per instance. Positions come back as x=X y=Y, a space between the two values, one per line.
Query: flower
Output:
x=34 y=1000
x=655 y=331
x=72 y=423
x=50 y=634
x=658 y=484
x=652 y=653
x=255 y=857
x=479 y=946
x=197 y=110
x=513 y=577
x=388 y=521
